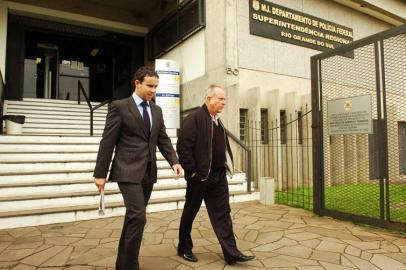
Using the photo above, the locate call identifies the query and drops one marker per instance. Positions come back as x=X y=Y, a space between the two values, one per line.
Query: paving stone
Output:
x=310 y=268
x=330 y=233
x=207 y=233
x=347 y=263
x=246 y=245
x=116 y=233
x=269 y=237
x=171 y=234
x=360 y=263
x=110 y=245
x=241 y=232
x=80 y=267
x=15 y=255
x=389 y=247
x=39 y=258
x=59 y=259
x=326 y=256
x=25 y=245
x=108 y=262
x=386 y=263
x=251 y=236
x=401 y=257
x=163 y=250
x=4 y=245
x=152 y=238
x=19 y=232
x=6 y=238
x=267 y=247
x=260 y=255
x=87 y=242
x=331 y=266
x=277 y=238
x=22 y=266
x=297 y=251
x=271 y=223
x=364 y=245
x=247 y=220
x=302 y=236
x=61 y=240
x=183 y=267
x=313 y=243
x=98 y=233
x=7 y=265
x=204 y=259
x=286 y=242
x=108 y=240
x=287 y=261
x=331 y=246
x=91 y=255
x=354 y=251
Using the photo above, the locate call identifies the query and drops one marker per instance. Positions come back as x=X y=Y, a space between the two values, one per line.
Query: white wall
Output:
x=191 y=56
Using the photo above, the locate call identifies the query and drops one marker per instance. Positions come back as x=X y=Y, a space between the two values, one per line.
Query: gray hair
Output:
x=211 y=89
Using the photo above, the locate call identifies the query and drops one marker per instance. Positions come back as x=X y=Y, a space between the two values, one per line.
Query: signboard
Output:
x=351 y=115
x=167 y=95
x=284 y=24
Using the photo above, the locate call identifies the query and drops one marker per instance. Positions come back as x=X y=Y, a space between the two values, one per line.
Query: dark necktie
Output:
x=145 y=116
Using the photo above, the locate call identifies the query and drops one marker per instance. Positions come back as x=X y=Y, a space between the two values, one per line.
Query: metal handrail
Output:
x=240 y=143
x=92 y=109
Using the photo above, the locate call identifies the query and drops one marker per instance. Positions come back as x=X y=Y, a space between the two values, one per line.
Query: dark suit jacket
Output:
x=124 y=131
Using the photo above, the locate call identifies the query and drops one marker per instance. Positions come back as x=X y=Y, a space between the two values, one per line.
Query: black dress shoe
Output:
x=240 y=258
x=189 y=256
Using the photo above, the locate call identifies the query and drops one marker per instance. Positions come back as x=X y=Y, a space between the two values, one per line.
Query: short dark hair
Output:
x=142 y=72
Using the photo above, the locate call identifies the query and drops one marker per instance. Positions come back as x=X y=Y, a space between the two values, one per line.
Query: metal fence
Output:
x=282 y=149
x=362 y=177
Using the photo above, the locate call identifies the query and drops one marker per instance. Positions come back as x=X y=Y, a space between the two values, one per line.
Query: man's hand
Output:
x=178 y=170
x=100 y=183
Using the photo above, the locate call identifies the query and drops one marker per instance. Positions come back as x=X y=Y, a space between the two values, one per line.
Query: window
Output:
x=188 y=19
x=282 y=125
x=243 y=124
x=264 y=126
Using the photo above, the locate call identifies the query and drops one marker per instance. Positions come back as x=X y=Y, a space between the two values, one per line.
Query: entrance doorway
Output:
x=47 y=59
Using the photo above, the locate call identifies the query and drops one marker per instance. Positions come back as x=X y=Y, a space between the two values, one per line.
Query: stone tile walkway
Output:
x=280 y=237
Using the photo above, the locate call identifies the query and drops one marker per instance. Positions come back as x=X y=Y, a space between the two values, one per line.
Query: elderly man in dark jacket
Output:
x=205 y=155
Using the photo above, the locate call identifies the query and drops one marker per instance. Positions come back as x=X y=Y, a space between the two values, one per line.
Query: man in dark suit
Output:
x=205 y=154
x=134 y=128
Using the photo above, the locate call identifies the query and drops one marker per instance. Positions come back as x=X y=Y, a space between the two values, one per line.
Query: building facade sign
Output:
x=351 y=115
x=284 y=24
x=167 y=94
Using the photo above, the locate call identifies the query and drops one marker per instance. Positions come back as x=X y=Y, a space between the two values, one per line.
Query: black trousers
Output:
x=136 y=197
x=214 y=192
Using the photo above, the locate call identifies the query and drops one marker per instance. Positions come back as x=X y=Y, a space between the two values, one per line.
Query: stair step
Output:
x=74 y=189
x=43 y=139
x=54 y=101
x=71 y=125
x=45 y=117
x=109 y=205
x=35 y=168
x=52 y=112
x=53 y=107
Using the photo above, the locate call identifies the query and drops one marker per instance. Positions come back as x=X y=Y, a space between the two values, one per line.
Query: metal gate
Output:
x=362 y=177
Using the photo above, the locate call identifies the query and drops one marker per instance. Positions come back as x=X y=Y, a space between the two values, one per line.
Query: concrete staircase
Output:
x=47 y=178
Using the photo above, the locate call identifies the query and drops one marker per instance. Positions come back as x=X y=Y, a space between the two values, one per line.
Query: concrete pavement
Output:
x=279 y=236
